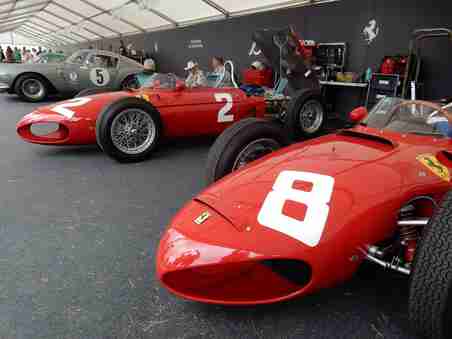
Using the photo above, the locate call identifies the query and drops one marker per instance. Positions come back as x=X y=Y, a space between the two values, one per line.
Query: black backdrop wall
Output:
x=337 y=21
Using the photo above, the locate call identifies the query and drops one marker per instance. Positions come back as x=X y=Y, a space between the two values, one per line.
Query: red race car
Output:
x=128 y=125
x=305 y=217
x=132 y=122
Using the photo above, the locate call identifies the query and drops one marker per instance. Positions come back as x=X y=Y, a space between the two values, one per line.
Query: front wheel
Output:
x=430 y=300
x=245 y=141
x=128 y=130
x=31 y=88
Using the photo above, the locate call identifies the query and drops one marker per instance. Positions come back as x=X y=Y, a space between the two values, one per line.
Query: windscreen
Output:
x=406 y=116
x=78 y=57
x=161 y=80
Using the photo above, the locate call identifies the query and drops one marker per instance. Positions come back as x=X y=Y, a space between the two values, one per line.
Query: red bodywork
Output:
x=187 y=112
x=229 y=257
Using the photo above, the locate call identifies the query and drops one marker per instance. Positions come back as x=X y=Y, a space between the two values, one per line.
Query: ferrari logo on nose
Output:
x=202 y=218
x=432 y=163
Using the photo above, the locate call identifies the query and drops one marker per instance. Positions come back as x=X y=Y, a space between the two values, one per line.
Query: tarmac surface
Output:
x=78 y=235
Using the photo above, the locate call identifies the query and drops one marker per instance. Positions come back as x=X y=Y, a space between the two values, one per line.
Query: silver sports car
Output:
x=84 y=69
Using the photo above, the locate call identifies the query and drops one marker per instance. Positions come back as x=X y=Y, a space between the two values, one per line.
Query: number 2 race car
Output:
x=128 y=125
x=305 y=217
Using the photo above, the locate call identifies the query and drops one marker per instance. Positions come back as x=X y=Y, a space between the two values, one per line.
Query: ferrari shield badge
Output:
x=432 y=163
x=202 y=218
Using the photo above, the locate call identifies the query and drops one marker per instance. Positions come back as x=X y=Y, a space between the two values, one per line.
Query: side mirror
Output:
x=180 y=86
x=358 y=114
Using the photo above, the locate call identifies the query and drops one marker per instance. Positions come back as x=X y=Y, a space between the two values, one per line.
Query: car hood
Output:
x=87 y=107
x=351 y=160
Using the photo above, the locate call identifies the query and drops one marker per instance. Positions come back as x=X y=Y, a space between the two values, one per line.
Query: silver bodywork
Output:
x=75 y=74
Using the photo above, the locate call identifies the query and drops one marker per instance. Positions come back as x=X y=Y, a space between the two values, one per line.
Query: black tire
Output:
x=22 y=88
x=292 y=121
x=430 y=300
x=130 y=82
x=91 y=91
x=107 y=118
x=225 y=152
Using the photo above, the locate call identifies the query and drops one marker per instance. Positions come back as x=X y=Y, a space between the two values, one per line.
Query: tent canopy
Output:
x=66 y=22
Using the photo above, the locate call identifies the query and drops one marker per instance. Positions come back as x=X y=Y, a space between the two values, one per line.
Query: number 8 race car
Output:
x=305 y=217
x=128 y=125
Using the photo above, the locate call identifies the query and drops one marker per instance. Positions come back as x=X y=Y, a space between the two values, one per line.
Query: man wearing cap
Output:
x=196 y=77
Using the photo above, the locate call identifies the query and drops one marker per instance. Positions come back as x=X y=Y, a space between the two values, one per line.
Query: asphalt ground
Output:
x=78 y=235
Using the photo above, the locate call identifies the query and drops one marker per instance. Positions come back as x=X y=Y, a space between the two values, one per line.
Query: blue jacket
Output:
x=445 y=128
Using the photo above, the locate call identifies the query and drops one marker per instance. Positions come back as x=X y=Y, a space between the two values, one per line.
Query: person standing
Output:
x=39 y=50
x=196 y=77
x=27 y=57
x=9 y=55
x=17 y=55
x=2 y=55
x=222 y=75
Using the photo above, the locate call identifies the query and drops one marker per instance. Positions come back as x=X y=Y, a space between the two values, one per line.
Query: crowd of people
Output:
x=17 y=55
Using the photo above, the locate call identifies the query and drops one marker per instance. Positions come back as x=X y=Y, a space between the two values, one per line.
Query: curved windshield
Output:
x=78 y=57
x=161 y=80
x=406 y=116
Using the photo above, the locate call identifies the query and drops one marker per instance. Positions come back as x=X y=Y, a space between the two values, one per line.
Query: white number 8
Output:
x=310 y=230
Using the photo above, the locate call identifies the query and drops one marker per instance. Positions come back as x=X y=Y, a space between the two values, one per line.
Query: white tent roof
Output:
x=65 y=22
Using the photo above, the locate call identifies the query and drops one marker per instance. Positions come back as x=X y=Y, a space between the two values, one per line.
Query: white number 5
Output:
x=310 y=230
x=63 y=108
x=223 y=114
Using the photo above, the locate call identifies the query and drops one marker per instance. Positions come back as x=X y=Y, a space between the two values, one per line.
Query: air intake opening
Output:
x=240 y=283
x=44 y=128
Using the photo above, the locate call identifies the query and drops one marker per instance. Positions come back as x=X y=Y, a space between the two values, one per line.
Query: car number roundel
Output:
x=310 y=230
x=99 y=76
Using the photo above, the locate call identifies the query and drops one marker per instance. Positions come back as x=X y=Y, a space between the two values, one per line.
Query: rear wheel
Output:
x=32 y=88
x=128 y=130
x=306 y=116
x=430 y=300
x=242 y=143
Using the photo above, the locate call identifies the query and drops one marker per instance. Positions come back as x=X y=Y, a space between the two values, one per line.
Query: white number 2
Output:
x=310 y=230
x=223 y=113
x=63 y=108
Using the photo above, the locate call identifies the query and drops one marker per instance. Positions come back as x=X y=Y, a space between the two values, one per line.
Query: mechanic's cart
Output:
x=382 y=86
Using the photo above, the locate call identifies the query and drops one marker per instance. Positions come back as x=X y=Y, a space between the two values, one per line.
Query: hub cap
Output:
x=255 y=150
x=33 y=88
x=133 y=131
x=311 y=116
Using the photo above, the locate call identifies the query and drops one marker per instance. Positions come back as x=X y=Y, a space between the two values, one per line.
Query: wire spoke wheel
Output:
x=133 y=131
x=311 y=116
x=255 y=150
x=33 y=88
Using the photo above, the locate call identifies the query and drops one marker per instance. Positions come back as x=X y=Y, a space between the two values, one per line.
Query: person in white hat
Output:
x=196 y=77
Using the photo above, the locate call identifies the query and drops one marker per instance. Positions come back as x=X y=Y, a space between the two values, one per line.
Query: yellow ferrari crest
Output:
x=432 y=163
x=202 y=218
